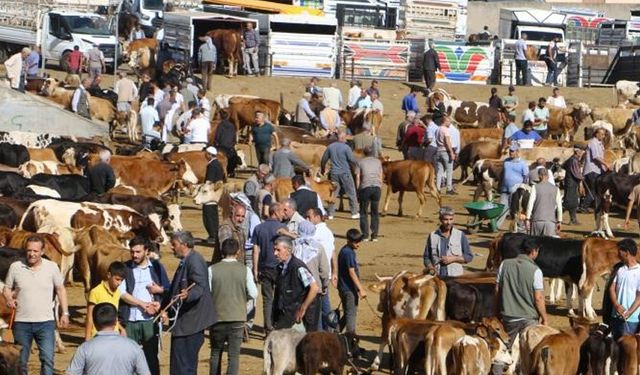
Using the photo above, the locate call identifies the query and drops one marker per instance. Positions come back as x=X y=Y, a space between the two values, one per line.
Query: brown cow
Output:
x=42 y=154
x=97 y=250
x=559 y=353
x=468 y=136
x=282 y=188
x=475 y=151
x=129 y=47
x=598 y=258
x=565 y=121
x=629 y=358
x=325 y=351
x=242 y=111
x=197 y=161
x=409 y=175
x=153 y=175
x=9 y=354
x=355 y=120
x=228 y=43
x=99 y=108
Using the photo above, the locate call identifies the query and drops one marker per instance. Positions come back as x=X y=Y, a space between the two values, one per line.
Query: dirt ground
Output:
x=402 y=239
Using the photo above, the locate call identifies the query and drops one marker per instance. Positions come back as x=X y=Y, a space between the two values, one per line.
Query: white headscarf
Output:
x=209 y=42
x=305 y=247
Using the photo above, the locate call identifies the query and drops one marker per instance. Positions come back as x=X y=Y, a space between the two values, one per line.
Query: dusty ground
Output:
x=401 y=242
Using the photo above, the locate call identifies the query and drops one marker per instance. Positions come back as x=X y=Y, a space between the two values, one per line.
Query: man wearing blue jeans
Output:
x=625 y=291
x=445 y=155
x=514 y=172
x=29 y=290
x=341 y=161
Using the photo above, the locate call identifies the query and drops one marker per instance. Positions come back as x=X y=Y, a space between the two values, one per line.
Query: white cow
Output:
x=628 y=92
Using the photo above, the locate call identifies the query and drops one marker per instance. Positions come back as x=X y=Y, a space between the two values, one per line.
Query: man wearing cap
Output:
x=447 y=248
x=410 y=102
x=572 y=180
x=526 y=133
x=15 y=71
x=514 y=172
x=354 y=94
x=214 y=174
x=430 y=64
x=544 y=210
x=594 y=166
x=311 y=252
x=231 y=227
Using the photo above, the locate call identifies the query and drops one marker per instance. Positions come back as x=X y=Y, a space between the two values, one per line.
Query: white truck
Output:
x=634 y=24
x=56 y=27
x=149 y=13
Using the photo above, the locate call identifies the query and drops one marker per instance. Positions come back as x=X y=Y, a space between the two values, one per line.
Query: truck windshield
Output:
x=153 y=4
x=542 y=36
x=92 y=25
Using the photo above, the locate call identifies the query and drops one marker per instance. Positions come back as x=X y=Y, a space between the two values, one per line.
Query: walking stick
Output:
x=171 y=303
x=13 y=316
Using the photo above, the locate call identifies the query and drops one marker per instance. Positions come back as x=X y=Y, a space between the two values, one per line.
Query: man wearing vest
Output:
x=304 y=197
x=141 y=293
x=447 y=248
x=520 y=291
x=80 y=99
x=232 y=286
x=296 y=289
x=544 y=210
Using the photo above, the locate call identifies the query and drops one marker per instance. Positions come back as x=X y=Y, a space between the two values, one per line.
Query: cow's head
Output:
x=49 y=85
x=350 y=343
x=498 y=346
x=173 y=221
x=209 y=192
x=144 y=226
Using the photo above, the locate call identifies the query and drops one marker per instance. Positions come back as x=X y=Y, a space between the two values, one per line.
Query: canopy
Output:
x=267 y=6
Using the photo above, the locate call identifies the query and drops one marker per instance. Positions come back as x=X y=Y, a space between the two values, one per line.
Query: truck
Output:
x=634 y=24
x=56 y=28
x=540 y=25
x=149 y=13
x=434 y=19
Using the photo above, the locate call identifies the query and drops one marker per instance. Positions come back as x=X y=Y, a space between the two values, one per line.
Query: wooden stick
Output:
x=171 y=303
x=13 y=315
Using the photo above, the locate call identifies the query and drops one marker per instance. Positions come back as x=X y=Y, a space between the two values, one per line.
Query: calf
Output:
x=598 y=258
x=474 y=355
x=559 y=353
x=10 y=358
x=474 y=151
x=524 y=344
x=612 y=188
x=470 y=297
x=409 y=175
x=600 y=352
x=407 y=295
x=280 y=352
x=13 y=155
x=629 y=362
x=8 y=217
x=70 y=187
x=169 y=215
x=326 y=352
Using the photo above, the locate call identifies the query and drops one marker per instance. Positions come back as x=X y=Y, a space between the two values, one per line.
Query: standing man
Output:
x=366 y=139
x=80 y=99
x=304 y=197
x=594 y=166
x=522 y=65
x=291 y=217
x=204 y=103
x=198 y=128
x=551 y=59
x=572 y=181
x=32 y=62
x=341 y=161
x=541 y=115
x=225 y=141
x=625 y=291
x=108 y=352
x=136 y=33
x=251 y=40
x=296 y=289
x=141 y=293
x=76 y=61
x=414 y=139
x=510 y=102
x=231 y=227
x=354 y=94
x=101 y=176
x=447 y=248
x=215 y=173
x=514 y=172
x=410 y=102
x=232 y=286
x=544 y=210
x=445 y=156
x=265 y=262
x=150 y=120
x=304 y=114
x=369 y=177
x=520 y=291
x=402 y=130
x=261 y=136
x=97 y=66
x=29 y=289
x=127 y=92
x=208 y=56
x=15 y=69
x=430 y=64
x=254 y=183
x=285 y=159
x=350 y=287
x=192 y=313
x=333 y=97
x=556 y=99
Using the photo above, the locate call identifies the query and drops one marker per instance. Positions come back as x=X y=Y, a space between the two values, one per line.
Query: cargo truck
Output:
x=56 y=28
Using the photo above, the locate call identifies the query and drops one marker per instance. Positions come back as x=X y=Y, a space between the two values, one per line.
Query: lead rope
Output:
x=374 y=311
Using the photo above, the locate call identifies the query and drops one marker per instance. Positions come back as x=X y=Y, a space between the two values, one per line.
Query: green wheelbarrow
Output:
x=482 y=211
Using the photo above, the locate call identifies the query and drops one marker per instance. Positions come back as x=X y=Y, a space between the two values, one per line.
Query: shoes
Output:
x=374 y=239
x=452 y=192
x=356 y=216
x=211 y=241
x=330 y=217
x=574 y=222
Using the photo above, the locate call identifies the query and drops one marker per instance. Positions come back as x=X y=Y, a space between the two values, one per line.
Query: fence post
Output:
x=343 y=70
x=511 y=66
x=589 y=76
x=352 y=68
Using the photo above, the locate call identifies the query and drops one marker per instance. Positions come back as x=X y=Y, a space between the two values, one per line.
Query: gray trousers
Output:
x=250 y=55
x=505 y=198
x=350 y=305
x=444 y=165
x=346 y=184
x=543 y=228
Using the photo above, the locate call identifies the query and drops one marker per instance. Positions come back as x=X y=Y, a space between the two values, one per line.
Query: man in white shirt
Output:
x=149 y=118
x=376 y=104
x=354 y=94
x=332 y=97
x=325 y=237
x=204 y=103
x=198 y=127
x=528 y=114
x=183 y=123
x=556 y=99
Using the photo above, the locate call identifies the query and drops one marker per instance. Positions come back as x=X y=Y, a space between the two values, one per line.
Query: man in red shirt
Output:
x=413 y=139
x=75 y=61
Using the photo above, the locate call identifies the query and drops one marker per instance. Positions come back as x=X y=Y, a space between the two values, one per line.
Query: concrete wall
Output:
x=482 y=13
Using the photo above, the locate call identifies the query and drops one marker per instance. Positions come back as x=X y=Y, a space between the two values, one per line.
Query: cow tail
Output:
x=494 y=258
x=543 y=362
x=267 y=365
x=431 y=183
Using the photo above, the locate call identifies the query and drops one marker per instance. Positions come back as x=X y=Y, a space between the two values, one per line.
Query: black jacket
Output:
x=195 y=313
x=289 y=294
x=158 y=275
x=215 y=172
x=225 y=135
x=305 y=199
x=101 y=178
x=430 y=60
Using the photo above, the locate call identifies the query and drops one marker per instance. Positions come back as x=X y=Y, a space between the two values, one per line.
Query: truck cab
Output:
x=62 y=30
x=149 y=12
x=634 y=24
x=539 y=33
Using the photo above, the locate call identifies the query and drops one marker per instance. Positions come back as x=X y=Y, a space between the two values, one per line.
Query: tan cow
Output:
x=99 y=108
x=524 y=344
x=31 y=168
x=409 y=175
x=153 y=175
x=559 y=353
x=42 y=154
x=468 y=136
x=548 y=153
x=311 y=154
x=474 y=354
x=565 y=121
x=242 y=111
x=620 y=118
x=282 y=188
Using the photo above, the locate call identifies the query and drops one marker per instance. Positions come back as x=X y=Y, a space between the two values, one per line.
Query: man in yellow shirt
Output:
x=106 y=291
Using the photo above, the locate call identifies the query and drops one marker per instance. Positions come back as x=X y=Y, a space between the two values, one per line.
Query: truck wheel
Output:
x=64 y=61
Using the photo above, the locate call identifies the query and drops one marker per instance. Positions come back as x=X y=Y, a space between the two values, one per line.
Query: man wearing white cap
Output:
x=214 y=174
x=15 y=72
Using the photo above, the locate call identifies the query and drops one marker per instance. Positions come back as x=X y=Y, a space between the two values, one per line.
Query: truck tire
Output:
x=64 y=61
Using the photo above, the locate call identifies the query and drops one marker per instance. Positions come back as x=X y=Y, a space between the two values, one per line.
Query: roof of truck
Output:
x=67 y=12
